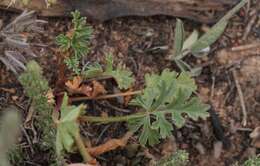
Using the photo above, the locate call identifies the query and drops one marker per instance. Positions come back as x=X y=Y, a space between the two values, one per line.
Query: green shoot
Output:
x=195 y=45
x=180 y=158
x=165 y=100
x=75 y=42
x=36 y=87
x=254 y=161
x=122 y=76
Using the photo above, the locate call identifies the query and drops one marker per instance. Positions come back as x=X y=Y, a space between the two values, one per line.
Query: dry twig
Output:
x=241 y=97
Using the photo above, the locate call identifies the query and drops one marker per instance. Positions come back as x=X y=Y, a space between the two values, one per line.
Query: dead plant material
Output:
x=74 y=86
x=250 y=24
x=102 y=10
x=98 y=89
x=110 y=145
x=15 y=47
x=237 y=54
x=241 y=97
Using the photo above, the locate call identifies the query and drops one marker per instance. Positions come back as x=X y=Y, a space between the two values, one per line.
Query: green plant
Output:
x=68 y=132
x=36 y=88
x=165 y=100
x=195 y=45
x=76 y=42
x=254 y=161
x=180 y=158
x=122 y=76
x=10 y=127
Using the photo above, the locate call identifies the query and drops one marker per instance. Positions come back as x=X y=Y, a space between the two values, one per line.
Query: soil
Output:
x=143 y=44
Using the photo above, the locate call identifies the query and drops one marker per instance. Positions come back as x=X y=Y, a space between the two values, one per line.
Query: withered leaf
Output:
x=110 y=145
x=75 y=87
x=98 y=89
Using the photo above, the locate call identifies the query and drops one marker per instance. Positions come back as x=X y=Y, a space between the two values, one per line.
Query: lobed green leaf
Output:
x=165 y=95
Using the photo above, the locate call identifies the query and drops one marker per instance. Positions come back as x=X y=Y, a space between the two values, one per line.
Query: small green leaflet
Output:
x=148 y=134
x=179 y=37
x=179 y=158
x=67 y=126
x=166 y=95
x=209 y=37
x=93 y=70
x=122 y=76
x=162 y=125
x=190 y=40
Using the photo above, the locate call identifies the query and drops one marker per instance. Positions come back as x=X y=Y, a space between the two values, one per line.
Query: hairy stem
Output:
x=83 y=151
x=98 y=119
x=105 y=96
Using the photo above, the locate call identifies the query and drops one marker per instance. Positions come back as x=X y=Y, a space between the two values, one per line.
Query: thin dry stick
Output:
x=250 y=24
x=241 y=98
x=106 y=96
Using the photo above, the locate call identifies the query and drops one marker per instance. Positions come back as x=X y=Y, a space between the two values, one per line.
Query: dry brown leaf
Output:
x=74 y=86
x=98 y=89
x=110 y=145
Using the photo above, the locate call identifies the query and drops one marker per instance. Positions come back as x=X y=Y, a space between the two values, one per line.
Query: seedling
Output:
x=195 y=45
x=76 y=42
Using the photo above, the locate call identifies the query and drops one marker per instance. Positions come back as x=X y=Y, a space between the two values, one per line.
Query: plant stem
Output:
x=99 y=119
x=105 y=96
x=83 y=151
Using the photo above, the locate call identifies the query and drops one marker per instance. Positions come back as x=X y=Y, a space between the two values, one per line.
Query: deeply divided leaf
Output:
x=166 y=95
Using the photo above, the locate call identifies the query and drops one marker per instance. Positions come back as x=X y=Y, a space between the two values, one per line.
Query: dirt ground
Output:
x=229 y=82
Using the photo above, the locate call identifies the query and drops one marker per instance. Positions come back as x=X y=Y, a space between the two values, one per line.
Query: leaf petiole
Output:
x=98 y=119
x=106 y=96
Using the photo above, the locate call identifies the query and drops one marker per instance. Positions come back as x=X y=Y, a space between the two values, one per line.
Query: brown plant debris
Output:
x=110 y=145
